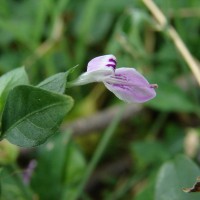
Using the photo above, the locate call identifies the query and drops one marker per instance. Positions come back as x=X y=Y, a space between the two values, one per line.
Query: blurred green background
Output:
x=151 y=155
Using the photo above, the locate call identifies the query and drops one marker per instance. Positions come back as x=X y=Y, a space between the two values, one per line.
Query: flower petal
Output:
x=106 y=62
x=130 y=86
x=98 y=70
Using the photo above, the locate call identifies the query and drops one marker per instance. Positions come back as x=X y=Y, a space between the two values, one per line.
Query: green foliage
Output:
x=8 y=152
x=177 y=100
x=147 y=192
x=74 y=170
x=149 y=153
x=175 y=175
x=29 y=116
x=58 y=158
x=9 y=81
x=48 y=37
x=0 y=182
x=55 y=83
x=13 y=187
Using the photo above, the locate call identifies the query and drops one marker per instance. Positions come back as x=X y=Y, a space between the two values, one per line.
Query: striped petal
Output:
x=130 y=86
x=98 y=70
x=103 y=63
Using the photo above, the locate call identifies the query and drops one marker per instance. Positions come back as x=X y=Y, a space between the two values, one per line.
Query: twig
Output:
x=160 y=17
x=100 y=120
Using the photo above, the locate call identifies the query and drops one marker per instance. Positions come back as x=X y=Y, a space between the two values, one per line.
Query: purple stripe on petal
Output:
x=112 y=60
x=124 y=87
x=101 y=62
x=120 y=77
x=111 y=65
x=135 y=88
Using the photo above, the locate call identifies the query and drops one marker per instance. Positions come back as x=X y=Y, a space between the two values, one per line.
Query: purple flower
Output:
x=29 y=171
x=126 y=83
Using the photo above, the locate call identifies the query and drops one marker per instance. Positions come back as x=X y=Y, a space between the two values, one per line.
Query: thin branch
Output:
x=162 y=20
x=101 y=120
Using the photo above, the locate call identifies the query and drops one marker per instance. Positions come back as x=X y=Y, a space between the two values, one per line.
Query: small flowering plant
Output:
x=31 y=114
x=126 y=83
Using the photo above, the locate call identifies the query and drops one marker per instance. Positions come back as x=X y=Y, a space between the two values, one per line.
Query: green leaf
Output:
x=0 y=182
x=32 y=115
x=175 y=175
x=75 y=165
x=10 y=80
x=8 y=153
x=55 y=83
x=171 y=98
x=74 y=171
x=147 y=192
x=12 y=186
x=51 y=161
x=148 y=153
x=67 y=168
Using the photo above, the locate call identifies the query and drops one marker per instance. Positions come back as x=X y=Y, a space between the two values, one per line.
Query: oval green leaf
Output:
x=67 y=168
x=175 y=175
x=55 y=83
x=32 y=115
x=10 y=80
x=170 y=98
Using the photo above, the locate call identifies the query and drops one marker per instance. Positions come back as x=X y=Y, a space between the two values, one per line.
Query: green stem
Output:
x=98 y=153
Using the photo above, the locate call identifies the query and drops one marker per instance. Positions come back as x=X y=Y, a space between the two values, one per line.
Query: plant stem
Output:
x=181 y=47
x=98 y=153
